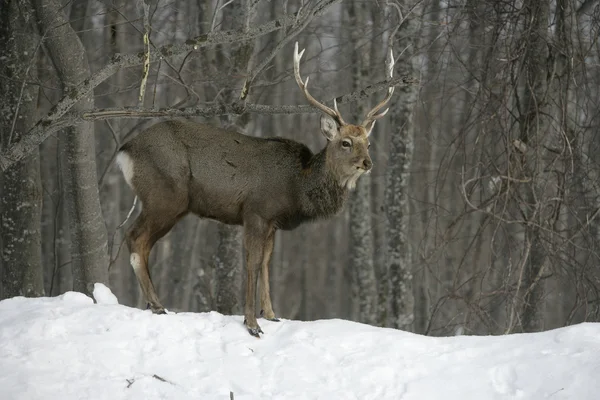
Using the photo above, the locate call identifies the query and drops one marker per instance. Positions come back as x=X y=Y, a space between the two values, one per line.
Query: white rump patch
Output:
x=136 y=261
x=125 y=163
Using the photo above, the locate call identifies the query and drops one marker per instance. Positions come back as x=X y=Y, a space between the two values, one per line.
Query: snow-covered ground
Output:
x=70 y=348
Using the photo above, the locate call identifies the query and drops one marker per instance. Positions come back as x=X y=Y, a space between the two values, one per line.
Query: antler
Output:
x=335 y=114
x=372 y=115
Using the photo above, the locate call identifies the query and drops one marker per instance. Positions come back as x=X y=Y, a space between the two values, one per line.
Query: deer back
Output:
x=224 y=174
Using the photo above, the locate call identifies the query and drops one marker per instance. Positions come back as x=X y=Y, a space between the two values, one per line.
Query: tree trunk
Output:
x=116 y=198
x=228 y=278
x=364 y=282
x=88 y=232
x=21 y=202
x=228 y=259
x=398 y=251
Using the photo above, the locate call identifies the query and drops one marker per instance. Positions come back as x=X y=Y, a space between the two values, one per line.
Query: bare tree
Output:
x=88 y=232
x=227 y=261
x=364 y=282
x=21 y=202
x=398 y=252
x=533 y=134
x=490 y=212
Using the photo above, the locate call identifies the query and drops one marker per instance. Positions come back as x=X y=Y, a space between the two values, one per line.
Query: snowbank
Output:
x=70 y=348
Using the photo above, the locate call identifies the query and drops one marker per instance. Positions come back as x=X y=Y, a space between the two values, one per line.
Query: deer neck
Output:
x=325 y=190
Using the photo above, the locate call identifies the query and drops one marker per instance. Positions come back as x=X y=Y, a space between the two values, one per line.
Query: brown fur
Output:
x=263 y=184
x=177 y=167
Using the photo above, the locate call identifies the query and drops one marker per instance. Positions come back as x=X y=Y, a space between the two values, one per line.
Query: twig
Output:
x=56 y=227
x=217 y=9
x=294 y=30
x=112 y=240
x=57 y=119
x=23 y=84
x=146 y=70
x=162 y=379
x=239 y=108
x=113 y=156
x=130 y=212
x=522 y=266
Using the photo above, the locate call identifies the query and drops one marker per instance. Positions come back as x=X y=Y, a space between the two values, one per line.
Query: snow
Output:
x=103 y=295
x=69 y=347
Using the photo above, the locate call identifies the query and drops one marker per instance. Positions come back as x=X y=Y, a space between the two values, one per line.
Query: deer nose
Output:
x=367 y=163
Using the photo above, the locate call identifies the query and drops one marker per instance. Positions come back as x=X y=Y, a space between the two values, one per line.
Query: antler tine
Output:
x=372 y=115
x=335 y=114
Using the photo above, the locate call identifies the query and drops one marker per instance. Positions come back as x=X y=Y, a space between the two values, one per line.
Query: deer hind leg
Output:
x=266 y=308
x=142 y=236
x=256 y=234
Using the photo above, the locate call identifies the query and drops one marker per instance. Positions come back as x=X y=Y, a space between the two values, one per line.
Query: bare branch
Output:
x=585 y=6
x=300 y=23
x=146 y=70
x=51 y=124
x=238 y=107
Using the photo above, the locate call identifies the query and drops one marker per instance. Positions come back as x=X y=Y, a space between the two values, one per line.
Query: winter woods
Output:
x=480 y=214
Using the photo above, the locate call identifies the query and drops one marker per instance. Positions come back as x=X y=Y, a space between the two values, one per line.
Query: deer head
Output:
x=348 y=144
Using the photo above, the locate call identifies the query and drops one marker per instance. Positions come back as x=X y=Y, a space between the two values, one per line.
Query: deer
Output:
x=177 y=167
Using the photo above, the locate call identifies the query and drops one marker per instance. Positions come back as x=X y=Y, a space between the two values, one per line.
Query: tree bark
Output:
x=80 y=91
x=227 y=265
x=88 y=232
x=228 y=259
x=21 y=202
x=361 y=228
x=398 y=251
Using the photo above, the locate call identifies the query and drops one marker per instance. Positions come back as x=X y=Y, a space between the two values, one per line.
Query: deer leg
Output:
x=256 y=235
x=140 y=239
x=266 y=308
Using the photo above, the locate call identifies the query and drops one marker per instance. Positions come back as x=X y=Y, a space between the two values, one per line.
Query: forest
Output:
x=480 y=214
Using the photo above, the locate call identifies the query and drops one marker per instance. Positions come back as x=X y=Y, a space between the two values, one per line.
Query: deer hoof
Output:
x=268 y=317
x=256 y=331
x=155 y=309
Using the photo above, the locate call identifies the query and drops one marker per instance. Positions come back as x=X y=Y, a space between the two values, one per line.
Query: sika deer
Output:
x=178 y=167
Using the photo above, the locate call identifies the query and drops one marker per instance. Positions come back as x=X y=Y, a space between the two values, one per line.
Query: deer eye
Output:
x=346 y=144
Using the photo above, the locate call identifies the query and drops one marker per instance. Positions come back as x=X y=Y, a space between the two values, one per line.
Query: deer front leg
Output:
x=256 y=233
x=266 y=308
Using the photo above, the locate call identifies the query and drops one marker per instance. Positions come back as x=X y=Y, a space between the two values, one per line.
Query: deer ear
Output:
x=369 y=127
x=329 y=128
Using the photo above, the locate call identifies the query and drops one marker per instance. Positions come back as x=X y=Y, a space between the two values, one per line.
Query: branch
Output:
x=58 y=118
x=32 y=140
x=54 y=122
x=585 y=7
x=51 y=125
x=237 y=108
x=304 y=18
x=146 y=36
